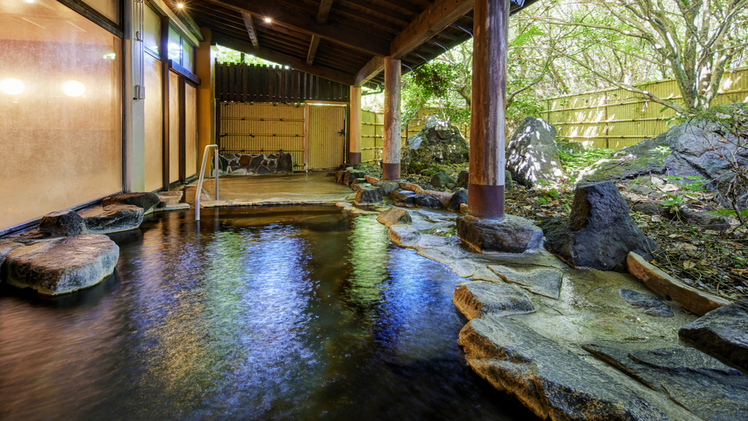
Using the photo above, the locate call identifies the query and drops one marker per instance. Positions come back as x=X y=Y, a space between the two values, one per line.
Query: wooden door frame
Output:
x=307 y=118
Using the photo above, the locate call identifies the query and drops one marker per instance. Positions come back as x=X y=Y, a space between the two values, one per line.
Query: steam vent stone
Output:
x=600 y=233
x=63 y=265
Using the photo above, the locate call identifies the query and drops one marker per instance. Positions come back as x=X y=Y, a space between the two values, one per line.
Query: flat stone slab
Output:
x=547 y=378
x=722 y=333
x=63 y=265
x=170 y=198
x=393 y=216
x=146 y=201
x=451 y=256
x=404 y=236
x=478 y=299
x=672 y=289
x=690 y=378
x=114 y=218
x=542 y=281
x=510 y=234
x=173 y=207
x=5 y=248
x=652 y=306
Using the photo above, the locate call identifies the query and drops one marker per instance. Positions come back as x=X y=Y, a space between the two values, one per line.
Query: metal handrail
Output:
x=202 y=175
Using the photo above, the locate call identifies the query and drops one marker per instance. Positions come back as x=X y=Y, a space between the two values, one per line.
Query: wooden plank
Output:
x=285 y=59
x=300 y=20
x=439 y=15
x=251 y=31
x=369 y=71
x=182 y=132
x=164 y=52
x=312 y=50
x=324 y=11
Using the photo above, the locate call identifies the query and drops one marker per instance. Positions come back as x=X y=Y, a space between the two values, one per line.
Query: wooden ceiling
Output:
x=341 y=40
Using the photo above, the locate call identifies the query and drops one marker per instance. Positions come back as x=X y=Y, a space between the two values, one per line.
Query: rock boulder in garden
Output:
x=532 y=155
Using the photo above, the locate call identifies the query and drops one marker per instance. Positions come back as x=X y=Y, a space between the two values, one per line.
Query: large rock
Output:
x=64 y=265
x=644 y=158
x=437 y=142
x=423 y=201
x=554 y=383
x=65 y=223
x=460 y=197
x=351 y=175
x=401 y=195
x=600 y=232
x=723 y=334
x=393 y=216
x=463 y=179
x=512 y=234
x=731 y=191
x=284 y=163
x=115 y=218
x=441 y=179
x=147 y=201
x=478 y=299
x=705 y=149
x=387 y=186
x=532 y=154
x=368 y=196
x=692 y=379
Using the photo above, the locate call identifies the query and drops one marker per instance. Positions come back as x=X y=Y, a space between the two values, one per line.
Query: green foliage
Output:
x=573 y=162
x=432 y=85
x=227 y=55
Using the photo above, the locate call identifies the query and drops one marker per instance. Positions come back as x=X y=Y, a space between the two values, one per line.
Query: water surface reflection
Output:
x=301 y=315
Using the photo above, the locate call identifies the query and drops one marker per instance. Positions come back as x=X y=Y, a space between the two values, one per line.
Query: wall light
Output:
x=180 y=5
x=268 y=20
x=12 y=86
x=73 y=88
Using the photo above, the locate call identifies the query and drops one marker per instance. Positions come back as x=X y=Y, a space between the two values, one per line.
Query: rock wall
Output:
x=256 y=164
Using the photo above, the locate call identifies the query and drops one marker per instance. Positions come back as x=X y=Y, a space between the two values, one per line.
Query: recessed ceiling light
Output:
x=180 y=5
x=268 y=20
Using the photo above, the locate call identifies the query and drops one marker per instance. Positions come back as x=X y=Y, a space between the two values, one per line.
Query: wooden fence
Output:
x=616 y=118
x=372 y=132
x=255 y=83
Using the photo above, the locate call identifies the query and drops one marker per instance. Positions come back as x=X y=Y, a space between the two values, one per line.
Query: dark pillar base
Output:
x=486 y=201
x=390 y=171
x=354 y=158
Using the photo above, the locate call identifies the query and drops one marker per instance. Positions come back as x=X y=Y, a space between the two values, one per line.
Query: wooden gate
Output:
x=326 y=136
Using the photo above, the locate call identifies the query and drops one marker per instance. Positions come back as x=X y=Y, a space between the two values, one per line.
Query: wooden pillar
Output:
x=391 y=164
x=487 y=138
x=354 y=152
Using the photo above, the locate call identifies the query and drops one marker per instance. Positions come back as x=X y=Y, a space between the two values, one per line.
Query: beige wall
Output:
x=190 y=99
x=174 y=121
x=154 y=132
x=58 y=150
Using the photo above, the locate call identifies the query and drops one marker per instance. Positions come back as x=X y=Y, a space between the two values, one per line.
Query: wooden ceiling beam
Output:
x=370 y=69
x=303 y=22
x=312 y=50
x=251 y=31
x=281 y=58
x=324 y=11
x=437 y=16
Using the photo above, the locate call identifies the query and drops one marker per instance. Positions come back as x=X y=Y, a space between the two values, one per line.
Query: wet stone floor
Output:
x=286 y=314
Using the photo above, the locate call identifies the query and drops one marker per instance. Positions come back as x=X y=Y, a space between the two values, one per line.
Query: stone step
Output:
x=61 y=265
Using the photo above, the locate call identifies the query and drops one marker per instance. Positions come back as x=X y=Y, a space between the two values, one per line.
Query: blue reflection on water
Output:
x=301 y=315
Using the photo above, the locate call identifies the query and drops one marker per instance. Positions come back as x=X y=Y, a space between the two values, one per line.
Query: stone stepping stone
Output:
x=368 y=196
x=63 y=223
x=393 y=216
x=401 y=195
x=723 y=334
x=63 y=265
x=478 y=299
x=115 y=218
x=405 y=236
x=652 y=306
x=450 y=255
x=170 y=198
x=543 y=281
x=692 y=379
x=546 y=377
